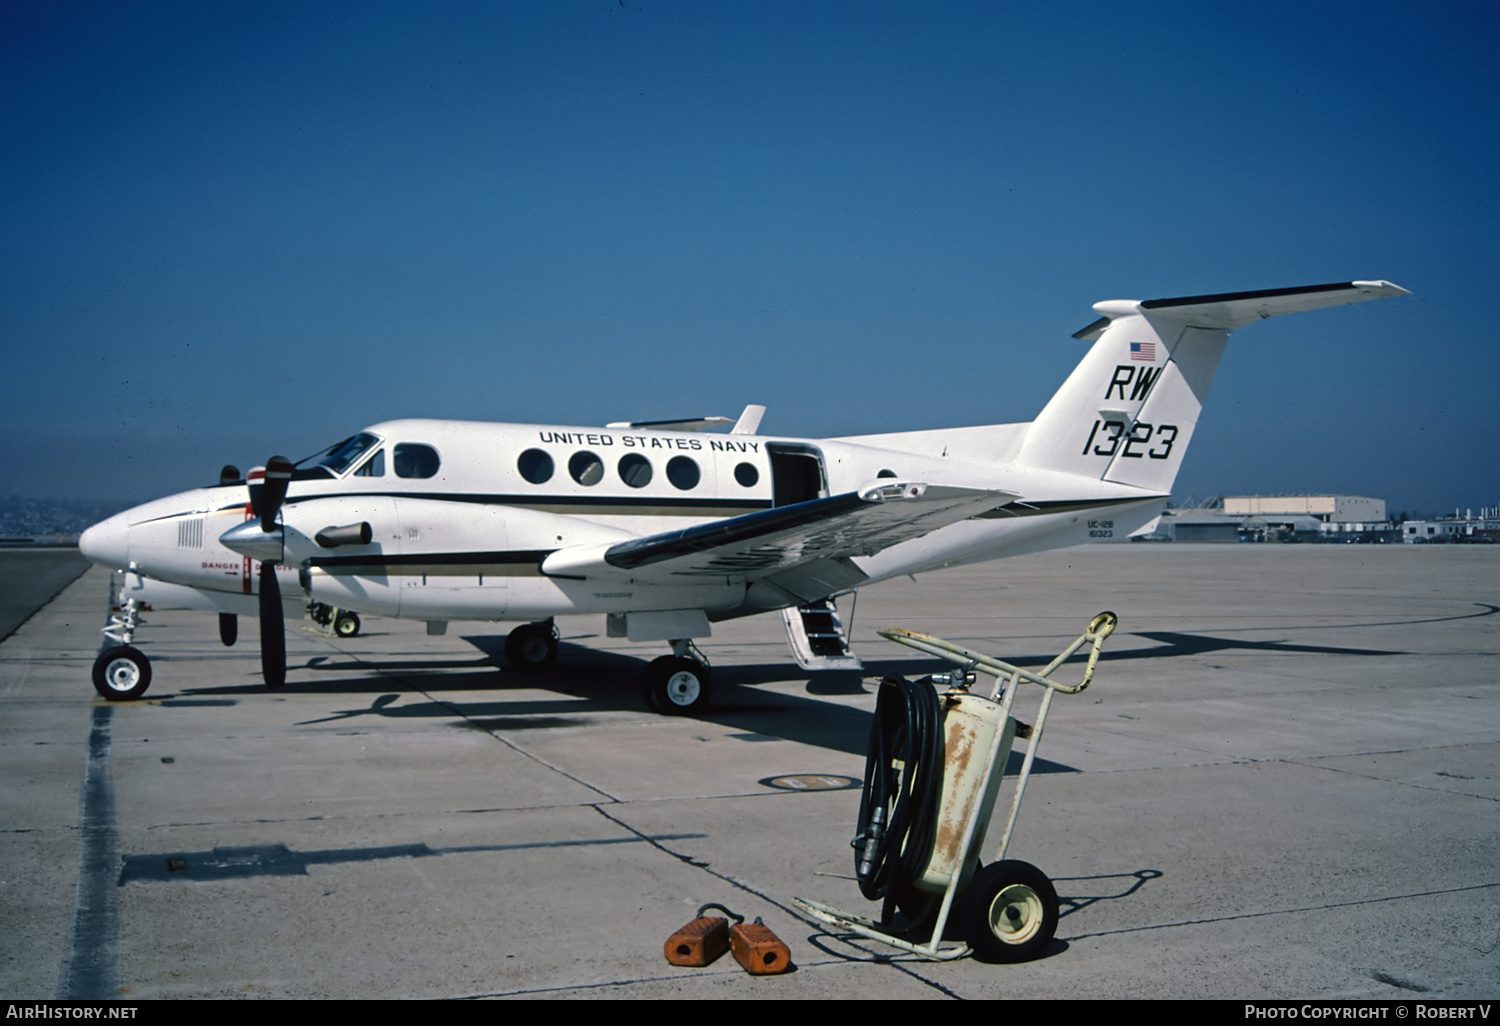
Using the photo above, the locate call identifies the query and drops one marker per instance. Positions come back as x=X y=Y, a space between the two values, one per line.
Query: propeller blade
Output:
x=272 y=629
x=278 y=476
x=255 y=482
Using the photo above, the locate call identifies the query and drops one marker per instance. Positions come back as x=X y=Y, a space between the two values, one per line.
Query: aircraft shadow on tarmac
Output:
x=606 y=681
x=234 y=863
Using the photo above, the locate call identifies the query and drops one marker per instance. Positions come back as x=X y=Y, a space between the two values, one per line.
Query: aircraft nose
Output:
x=107 y=543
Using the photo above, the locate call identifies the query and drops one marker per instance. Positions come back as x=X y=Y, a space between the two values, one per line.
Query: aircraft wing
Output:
x=816 y=537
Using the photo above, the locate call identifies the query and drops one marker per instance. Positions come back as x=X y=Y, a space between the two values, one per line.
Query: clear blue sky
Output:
x=232 y=230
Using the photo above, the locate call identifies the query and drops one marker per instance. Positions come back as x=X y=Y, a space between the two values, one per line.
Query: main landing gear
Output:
x=342 y=623
x=679 y=684
x=676 y=685
x=532 y=646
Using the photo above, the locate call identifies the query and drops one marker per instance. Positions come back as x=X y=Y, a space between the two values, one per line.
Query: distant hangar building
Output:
x=1257 y=518
x=1310 y=517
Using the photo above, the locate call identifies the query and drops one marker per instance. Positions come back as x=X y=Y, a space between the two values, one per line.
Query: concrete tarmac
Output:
x=1284 y=783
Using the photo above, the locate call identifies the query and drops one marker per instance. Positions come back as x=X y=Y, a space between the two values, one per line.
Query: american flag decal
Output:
x=1145 y=351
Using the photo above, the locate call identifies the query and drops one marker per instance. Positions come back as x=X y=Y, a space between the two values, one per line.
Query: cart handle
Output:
x=1099 y=628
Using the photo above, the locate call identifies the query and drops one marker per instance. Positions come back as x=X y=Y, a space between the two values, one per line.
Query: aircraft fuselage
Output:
x=463 y=516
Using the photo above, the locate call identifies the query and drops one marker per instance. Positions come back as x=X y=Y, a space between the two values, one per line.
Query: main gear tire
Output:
x=676 y=686
x=531 y=646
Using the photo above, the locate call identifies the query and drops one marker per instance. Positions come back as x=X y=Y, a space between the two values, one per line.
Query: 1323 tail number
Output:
x=1141 y=440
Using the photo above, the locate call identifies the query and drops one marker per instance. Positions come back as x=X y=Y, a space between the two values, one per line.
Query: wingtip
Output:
x=1383 y=288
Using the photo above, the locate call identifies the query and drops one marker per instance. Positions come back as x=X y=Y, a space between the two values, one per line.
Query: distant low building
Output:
x=1197 y=525
x=1483 y=529
x=1314 y=518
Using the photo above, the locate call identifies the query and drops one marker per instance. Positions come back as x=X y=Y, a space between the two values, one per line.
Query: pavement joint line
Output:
x=1313 y=764
x=404 y=682
x=1287 y=911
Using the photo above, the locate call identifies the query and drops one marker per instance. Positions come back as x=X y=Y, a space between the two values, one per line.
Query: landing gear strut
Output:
x=679 y=684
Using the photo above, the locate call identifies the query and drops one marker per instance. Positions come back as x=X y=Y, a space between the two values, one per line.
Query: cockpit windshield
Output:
x=337 y=458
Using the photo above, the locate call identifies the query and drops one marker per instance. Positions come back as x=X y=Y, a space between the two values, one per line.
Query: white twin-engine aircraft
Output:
x=666 y=529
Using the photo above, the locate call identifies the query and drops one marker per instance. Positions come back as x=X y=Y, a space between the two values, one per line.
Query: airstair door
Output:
x=796 y=473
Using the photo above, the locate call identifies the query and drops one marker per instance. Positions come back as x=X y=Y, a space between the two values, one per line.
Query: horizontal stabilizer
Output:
x=1229 y=310
x=1128 y=411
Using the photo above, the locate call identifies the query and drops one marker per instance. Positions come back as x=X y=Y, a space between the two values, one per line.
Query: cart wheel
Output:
x=1009 y=912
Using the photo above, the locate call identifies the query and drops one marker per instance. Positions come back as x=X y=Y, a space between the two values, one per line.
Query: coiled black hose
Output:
x=899 y=807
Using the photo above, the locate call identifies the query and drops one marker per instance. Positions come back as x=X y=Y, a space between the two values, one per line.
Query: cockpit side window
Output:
x=374 y=466
x=413 y=459
x=338 y=458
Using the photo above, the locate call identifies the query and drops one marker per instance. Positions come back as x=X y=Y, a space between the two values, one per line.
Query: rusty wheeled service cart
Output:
x=932 y=777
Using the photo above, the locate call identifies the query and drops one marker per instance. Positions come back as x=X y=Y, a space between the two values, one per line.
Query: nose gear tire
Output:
x=121 y=673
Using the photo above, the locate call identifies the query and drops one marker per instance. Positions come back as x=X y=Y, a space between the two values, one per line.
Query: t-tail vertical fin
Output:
x=1128 y=410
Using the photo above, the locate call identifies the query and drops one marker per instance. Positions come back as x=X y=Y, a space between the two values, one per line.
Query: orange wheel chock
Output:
x=759 y=950
x=701 y=941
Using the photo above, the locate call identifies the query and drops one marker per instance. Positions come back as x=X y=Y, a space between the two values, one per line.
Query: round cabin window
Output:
x=535 y=466
x=683 y=472
x=635 y=470
x=586 y=468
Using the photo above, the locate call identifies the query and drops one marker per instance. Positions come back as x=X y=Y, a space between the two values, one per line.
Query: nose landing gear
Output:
x=121 y=671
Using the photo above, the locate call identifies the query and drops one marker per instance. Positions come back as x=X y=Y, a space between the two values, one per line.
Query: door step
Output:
x=816 y=636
